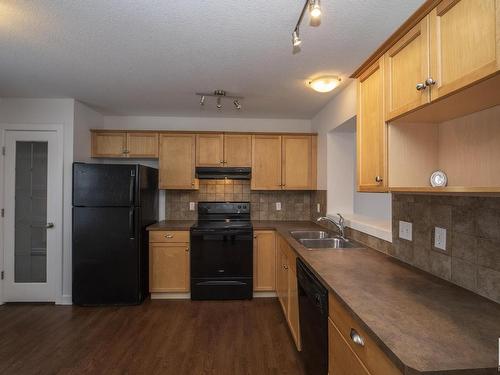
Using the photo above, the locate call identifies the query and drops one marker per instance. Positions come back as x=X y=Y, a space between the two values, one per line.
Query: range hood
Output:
x=221 y=173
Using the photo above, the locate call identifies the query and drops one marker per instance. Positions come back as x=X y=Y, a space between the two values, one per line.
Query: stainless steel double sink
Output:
x=322 y=240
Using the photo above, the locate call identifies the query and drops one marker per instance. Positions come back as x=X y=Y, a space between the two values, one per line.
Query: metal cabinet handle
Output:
x=430 y=82
x=378 y=179
x=187 y=249
x=285 y=267
x=49 y=225
x=169 y=236
x=421 y=86
x=356 y=338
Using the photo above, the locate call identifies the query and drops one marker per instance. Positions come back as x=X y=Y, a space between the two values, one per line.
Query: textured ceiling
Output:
x=150 y=57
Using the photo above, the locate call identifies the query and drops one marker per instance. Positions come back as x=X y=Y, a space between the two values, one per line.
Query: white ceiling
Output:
x=149 y=57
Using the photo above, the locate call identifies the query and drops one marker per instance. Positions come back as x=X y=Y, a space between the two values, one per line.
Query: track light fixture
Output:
x=315 y=13
x=219 y=95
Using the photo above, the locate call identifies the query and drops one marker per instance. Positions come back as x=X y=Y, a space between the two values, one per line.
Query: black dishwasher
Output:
x=313 y=315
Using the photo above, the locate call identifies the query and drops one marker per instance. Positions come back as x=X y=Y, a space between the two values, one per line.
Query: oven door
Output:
x=221 y=253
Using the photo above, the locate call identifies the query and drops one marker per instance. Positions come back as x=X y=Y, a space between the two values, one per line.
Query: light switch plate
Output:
x=278 y=206
x=405 y=230
x=440 y=238
x=318 y=208
x=192 y=206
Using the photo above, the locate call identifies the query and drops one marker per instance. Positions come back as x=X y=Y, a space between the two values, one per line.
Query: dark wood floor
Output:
x=158 y=337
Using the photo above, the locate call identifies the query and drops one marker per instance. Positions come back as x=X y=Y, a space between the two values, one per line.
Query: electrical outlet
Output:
x=278 y=206
x=405 y=230
x=440 y=238
x=318 y=208
x=192 y=206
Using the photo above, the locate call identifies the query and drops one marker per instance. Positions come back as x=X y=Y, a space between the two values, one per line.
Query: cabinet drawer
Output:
x=368 y=352
x=169 y=236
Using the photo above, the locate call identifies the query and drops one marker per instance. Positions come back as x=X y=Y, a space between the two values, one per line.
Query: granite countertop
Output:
x=423 y=323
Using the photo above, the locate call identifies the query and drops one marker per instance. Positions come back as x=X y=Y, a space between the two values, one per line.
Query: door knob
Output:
x=429 y=82
x=421 y=86
x=49 y=225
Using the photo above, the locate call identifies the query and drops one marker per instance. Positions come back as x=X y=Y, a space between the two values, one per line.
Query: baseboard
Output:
x=264 y=294
x=170 y=295
x=65 y=299
x=155 y=296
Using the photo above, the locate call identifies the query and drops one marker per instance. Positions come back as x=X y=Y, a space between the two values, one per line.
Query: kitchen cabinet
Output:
x=237 y=150
x=341 y=358
x=371 y=131
x=299 y=154
x=286 y=287
x=168 y=262
x=406 y=70
x=352 y=350
x=210 y=150
x=177 y=161
x=464 y=43
x=285 y=162
x=223 y=150
x=107 y=144
x=264 y=255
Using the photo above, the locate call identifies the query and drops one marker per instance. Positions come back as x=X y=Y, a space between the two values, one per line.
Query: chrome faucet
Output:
x=340 y=225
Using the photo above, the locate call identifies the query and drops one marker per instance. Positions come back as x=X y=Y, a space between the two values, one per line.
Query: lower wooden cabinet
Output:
x=264 y=260
x=341 y=358
x=286 y=287
x=352 y=350
x=168 y=263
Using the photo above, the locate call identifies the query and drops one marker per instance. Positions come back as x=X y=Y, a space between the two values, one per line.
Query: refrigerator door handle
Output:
x=131 y=223
x=132 y=187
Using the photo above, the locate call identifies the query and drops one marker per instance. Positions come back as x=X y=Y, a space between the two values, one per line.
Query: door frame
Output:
x=60 y=228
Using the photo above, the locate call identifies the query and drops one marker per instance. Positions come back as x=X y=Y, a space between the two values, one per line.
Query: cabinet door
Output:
x=282 y=276
x=168 y=267
x=177 y=161
x=298 y=162
x=266 y=162
x=406 y=65
x=109 y=145
x=293 y=299
x=142 y=145
x=465 y=43
x=264 y=255
x=237 y=150
x=341 y=359
x=371 y=131
x=209 y=150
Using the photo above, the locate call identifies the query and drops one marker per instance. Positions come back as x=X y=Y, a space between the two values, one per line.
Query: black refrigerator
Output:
x=112 y=206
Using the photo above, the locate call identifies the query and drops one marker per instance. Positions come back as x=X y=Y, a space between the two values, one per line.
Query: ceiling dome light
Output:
x=296 y=38
x=324 y=84
x=314 y=8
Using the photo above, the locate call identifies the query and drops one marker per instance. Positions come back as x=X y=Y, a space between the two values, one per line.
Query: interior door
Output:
x=33 y=209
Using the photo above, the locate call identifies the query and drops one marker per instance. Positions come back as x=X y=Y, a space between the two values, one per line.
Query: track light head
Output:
x=237 y=104
x=202 y=100
x=296 y=38
x=219 y=103
x=314 y=8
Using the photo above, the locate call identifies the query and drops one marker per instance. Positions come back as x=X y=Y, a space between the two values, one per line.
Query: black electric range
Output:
x=222 y=252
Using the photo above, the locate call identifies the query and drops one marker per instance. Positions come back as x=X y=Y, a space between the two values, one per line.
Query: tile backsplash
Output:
x=472 y=256
x=295 y=205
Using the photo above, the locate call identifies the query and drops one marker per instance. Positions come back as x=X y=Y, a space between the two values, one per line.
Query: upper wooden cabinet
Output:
x=223 y=150
x=209 y=150
x=107 y=144
x=371 y=130
x=142 y=145
x=177 y=161
x=266 y=162
x=464 y=43
x=237 y=150
x=285 y=162
x=299 y=162
x=264 y=256
x=406 y=69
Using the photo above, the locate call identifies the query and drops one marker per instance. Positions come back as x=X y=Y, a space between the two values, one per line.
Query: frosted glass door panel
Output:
x=31 y=212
